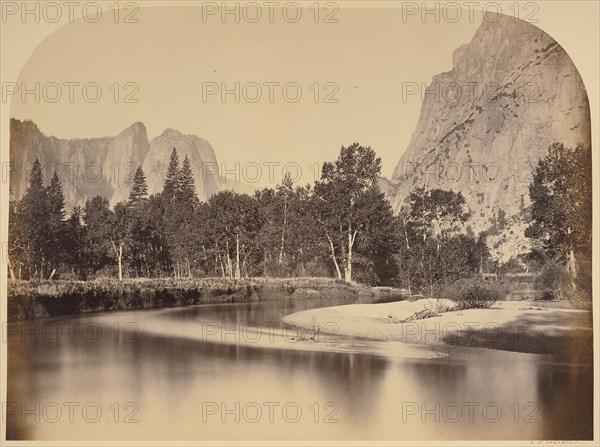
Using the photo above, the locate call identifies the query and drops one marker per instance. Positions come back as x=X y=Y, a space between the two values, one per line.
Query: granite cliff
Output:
x=105 y=166
x=512 y=91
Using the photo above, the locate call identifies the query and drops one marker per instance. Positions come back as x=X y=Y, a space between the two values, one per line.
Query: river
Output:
x=231 y=372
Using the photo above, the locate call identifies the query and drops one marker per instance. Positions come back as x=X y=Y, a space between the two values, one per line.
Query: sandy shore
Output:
x=523 y=326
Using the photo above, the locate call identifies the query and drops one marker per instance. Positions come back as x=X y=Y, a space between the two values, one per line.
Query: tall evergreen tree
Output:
x=35 y=216
x=171 y=185
x=187 y=186
x=139 y=190
x=56 y=198
x=36 y=177
x=137 y=224
x=180 y=201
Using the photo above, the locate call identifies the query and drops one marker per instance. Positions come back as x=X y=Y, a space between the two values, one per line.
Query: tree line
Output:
x=342 y=226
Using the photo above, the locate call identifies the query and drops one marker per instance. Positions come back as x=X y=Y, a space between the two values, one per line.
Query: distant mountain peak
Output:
x=138 y=125
x=175 y=133
x=113 y=160
x=137 y=128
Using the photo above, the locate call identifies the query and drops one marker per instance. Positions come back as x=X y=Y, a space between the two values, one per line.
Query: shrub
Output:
x=554 y=281
x=471 y=293
x=546 y=295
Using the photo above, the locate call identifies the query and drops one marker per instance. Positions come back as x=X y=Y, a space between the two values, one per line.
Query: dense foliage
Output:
x=561 y=195
x=341 y=227
x=435 y=249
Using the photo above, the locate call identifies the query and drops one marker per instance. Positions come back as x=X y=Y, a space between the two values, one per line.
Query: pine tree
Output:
x=35 y=213
x=135 y=224
x=171 y=185
x=36 y=178
x=179 y=219
x=56 y=221
x=187 y=185
x=139 y=191
x=56 y=198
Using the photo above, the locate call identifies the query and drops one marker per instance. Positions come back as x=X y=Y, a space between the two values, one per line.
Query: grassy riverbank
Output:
x=37 y=299
x=559 y=328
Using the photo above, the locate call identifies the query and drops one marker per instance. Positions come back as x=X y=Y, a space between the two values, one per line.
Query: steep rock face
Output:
x=106 y=166
x=200 y=153
x=86 y=167
x=483 y=126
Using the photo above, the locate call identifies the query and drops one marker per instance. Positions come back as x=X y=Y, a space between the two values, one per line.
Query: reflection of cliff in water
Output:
x=566 y=401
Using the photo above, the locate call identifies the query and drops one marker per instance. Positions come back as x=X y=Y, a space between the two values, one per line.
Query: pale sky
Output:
x=173 y=56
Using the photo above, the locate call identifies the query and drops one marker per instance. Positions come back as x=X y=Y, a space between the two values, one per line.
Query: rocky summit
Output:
x=512 y=91
x=200 y=153
x=105 y=166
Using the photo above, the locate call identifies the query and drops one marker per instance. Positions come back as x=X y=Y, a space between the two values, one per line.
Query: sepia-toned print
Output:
x=298 y=222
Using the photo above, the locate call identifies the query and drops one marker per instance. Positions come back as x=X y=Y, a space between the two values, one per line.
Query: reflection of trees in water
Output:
x=354 y=382
x=433 y=373
x=369 y=390
x=350 y=373
x=270 y=311
x=351 y=381
x=436 y=381
x=17 y=387
x=566 y=400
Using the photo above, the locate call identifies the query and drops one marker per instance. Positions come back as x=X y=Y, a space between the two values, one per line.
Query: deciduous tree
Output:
x=561 y=196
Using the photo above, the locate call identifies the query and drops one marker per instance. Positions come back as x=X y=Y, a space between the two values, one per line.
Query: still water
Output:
x=231 y=372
